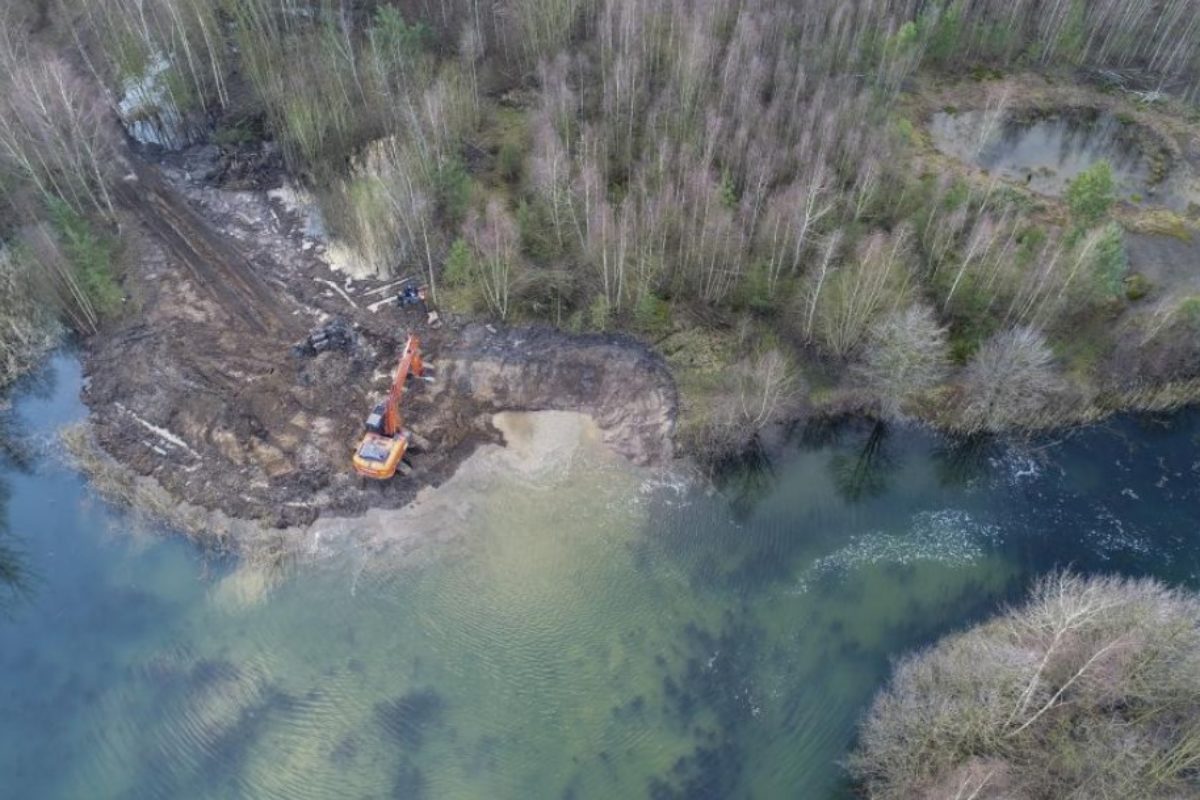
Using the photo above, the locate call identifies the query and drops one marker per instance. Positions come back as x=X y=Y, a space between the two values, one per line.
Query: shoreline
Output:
x=285 y=443
x=538 y=446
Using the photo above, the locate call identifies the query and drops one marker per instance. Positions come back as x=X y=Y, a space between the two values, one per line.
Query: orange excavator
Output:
x=386 y=440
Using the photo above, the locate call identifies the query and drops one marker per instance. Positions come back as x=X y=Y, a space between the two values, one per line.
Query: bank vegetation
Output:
x=1091 y=688
x=731 y=179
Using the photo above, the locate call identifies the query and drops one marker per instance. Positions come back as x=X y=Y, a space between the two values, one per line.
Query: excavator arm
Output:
x=410 y=362
x=383 y=446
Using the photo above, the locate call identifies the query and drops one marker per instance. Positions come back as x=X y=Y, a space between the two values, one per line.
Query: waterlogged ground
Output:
x=1047 y=152
x=593 y=631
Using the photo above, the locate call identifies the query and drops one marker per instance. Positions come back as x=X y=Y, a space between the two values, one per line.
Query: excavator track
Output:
x=215 y=263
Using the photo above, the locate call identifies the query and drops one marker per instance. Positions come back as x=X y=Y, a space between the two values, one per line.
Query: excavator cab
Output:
x=380 y=452
x=374 y=423
x=379 y=457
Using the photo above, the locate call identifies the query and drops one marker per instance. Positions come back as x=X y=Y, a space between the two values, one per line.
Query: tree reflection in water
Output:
x=959 y=461
x=866 y=471
x=14 y=576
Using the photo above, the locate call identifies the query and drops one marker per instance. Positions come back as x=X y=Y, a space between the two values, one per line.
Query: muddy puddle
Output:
x=1046 y=152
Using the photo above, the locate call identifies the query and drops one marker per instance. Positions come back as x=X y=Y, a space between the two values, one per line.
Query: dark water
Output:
x=598 y=633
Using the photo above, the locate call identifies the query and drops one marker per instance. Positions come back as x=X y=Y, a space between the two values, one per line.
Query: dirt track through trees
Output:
x=214 y=262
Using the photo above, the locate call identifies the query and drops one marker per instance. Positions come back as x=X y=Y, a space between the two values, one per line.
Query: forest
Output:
x=746 y=184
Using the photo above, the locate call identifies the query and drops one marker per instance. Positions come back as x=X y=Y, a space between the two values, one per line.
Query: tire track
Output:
x=215 y=262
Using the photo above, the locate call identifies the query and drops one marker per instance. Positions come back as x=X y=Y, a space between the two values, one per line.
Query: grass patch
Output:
x=1161 y=222
x=1082 y=352
x=506 y=139
x=92 y=254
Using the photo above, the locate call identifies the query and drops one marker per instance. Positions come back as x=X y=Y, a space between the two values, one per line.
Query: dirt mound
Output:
x=203 y=389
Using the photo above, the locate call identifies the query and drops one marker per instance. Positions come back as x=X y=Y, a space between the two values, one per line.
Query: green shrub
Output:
x=240 y=131
x=756 y=288
x=599 y=312
x=391 y=33
x=1137 y=286
x=452 y=187
x=92 y=256
x=511 y=161
x=459 y=267
x=538 y=238
x=1092 y=193
x=944 y=29
x=652 y=314
x=728 y=191
x=1110 y=263
x=1189 y=312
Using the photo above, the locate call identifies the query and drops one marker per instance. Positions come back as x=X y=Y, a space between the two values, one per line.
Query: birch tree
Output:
x=982 y=713
x=906 y=353
x=1009 y=381
x=54 y=131
x=494 y=239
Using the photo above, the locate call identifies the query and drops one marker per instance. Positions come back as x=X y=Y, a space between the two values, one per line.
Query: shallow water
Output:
x=595 y=632
x=1046 y=153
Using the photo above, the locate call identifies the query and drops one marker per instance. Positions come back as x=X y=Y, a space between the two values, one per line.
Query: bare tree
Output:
x=27 y=325
x=1009 y=381
x=493 y=237
x=905 y=354
x=767 y=385
x=550 y=174
x=53 y=127
x=791 y=219
x=982 y=713
x=760 y=389
x=846 y=303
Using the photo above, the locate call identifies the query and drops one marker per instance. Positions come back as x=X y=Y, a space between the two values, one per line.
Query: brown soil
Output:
x=199 y=387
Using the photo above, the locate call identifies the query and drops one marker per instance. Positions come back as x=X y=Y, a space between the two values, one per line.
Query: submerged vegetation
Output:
x=1089 y=689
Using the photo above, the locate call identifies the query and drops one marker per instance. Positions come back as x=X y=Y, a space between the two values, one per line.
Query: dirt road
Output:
x=216 y=264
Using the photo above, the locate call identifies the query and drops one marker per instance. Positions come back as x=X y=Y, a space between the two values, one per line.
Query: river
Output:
x=592 y=631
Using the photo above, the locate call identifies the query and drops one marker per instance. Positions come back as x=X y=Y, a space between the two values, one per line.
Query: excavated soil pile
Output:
x=202 y=387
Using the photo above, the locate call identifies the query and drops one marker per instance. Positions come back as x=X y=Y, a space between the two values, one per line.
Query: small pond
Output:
x=1047 y=151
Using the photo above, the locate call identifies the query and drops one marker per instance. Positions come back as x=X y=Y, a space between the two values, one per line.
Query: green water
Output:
x=591 y=631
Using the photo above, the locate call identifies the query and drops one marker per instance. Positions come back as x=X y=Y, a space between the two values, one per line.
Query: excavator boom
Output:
x=410 y=362
x=379 y=453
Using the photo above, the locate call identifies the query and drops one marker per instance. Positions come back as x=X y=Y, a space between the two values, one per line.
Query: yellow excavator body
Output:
x=378 y=456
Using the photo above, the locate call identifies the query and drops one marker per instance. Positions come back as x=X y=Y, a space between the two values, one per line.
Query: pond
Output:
x=596 y=631
x=1047 y=151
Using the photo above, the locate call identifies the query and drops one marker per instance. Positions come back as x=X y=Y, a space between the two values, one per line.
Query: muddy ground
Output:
x=199 y=386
